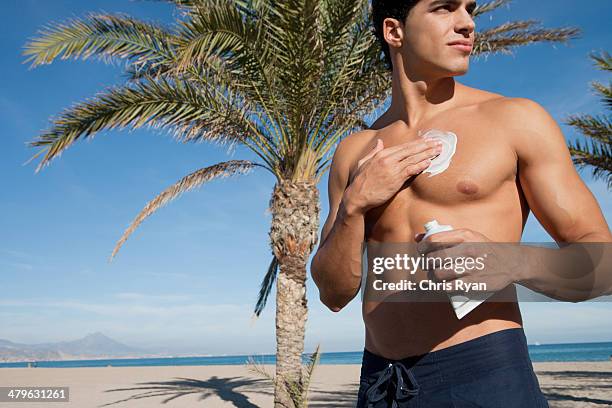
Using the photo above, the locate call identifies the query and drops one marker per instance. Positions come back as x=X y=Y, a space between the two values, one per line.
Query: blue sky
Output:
x=187 y=280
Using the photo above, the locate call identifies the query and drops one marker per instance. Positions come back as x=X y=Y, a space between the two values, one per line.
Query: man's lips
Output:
x=462 y=45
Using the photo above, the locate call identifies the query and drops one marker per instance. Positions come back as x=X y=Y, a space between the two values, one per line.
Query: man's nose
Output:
x=465 y=23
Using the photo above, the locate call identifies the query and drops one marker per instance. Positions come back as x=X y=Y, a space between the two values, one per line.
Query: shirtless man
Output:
x=511 y=157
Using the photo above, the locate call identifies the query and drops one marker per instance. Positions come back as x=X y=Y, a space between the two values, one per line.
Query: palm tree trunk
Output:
x=293 y=235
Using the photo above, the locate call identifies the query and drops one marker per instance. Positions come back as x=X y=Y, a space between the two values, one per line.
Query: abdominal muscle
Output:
x=396 y=330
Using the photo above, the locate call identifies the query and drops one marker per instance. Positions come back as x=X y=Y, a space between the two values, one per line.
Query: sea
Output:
x=538 y=352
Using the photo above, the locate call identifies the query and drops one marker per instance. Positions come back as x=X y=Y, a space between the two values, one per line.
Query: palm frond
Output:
x=176 y=105
x=313 y=360
x=266 y=286
x=356 y=81
x=508 y=27
x=293 y=32
x=219 y=31
x=294 y=29
x=488 y=7
x=504 y=38
x=220 y=36
x=135 y=73
x=182 y=3
x=289 y=37
x=297 y=388
x=596 y=155
x=603 y=61
x=338 y=18
x=216 y=29
x=605 y=92
x=104 y=36
x=258 y=368
x=187 y=183
x=356 y=58
x=369 y=93
x=596 y=127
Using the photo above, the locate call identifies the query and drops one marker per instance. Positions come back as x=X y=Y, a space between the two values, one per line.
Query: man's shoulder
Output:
x=527 y=124
x=514 y=110
x=355 y=142
x=491 y=101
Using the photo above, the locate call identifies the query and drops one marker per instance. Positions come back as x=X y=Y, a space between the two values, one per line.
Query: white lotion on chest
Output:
x=449 y=145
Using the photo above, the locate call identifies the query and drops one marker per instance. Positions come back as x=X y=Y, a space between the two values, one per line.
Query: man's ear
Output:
x=393 y=32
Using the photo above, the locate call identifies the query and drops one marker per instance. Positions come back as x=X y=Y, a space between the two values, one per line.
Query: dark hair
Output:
x=382 y=9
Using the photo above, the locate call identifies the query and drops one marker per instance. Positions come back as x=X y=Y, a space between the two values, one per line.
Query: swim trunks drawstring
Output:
x=403 y=390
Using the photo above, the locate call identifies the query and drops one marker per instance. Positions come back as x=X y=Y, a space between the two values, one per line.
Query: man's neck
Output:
x=415 y=100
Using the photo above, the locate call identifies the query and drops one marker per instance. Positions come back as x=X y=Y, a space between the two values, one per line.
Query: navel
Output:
x=467 y=187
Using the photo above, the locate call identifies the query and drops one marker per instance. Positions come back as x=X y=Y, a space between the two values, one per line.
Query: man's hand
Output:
x=502 y=263
x=383 y=171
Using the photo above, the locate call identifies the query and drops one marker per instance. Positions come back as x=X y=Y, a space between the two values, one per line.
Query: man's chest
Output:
x=483 y=162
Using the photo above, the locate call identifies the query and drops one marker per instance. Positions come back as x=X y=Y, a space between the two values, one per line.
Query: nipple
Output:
x=467 y=187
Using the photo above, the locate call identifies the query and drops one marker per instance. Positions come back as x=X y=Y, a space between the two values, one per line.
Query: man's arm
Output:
x=379 y=175
x=556 y=194
x=336 y=266
x=562 y=203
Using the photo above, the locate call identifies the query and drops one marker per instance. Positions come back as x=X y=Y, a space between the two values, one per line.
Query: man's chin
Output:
x=452 y=68
x=458 y=71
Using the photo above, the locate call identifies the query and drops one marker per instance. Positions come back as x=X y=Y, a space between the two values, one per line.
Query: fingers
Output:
x=410 y=169
x=420 y=159
x=413 y=157
x=427 y=246
x=409 y=158
x=442 y=274
x=408 y=149
x=426 y=147
x=412 y=164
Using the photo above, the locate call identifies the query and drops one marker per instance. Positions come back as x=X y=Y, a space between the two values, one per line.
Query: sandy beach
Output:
x=582 y=384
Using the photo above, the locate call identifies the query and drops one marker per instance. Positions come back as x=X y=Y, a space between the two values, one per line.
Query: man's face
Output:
x=429 y=29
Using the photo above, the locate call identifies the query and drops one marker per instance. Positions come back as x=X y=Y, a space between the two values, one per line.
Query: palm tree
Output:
x=285 y=79
x=597 y=129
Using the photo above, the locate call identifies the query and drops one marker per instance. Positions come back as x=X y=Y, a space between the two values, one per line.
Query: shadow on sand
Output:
x=232 y=389
x=555 y=396
x=224 y=388
x=552 y=393
x=345 y=398
x=578 y=374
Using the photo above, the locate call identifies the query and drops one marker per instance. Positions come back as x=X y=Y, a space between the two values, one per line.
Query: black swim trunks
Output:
x=491 y=371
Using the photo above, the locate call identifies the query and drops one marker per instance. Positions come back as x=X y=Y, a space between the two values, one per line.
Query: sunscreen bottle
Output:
x=432 y=227
x=461 y=304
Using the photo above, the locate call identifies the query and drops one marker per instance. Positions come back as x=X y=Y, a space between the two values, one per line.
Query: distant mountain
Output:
x=6 y=343
x=95 y=345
